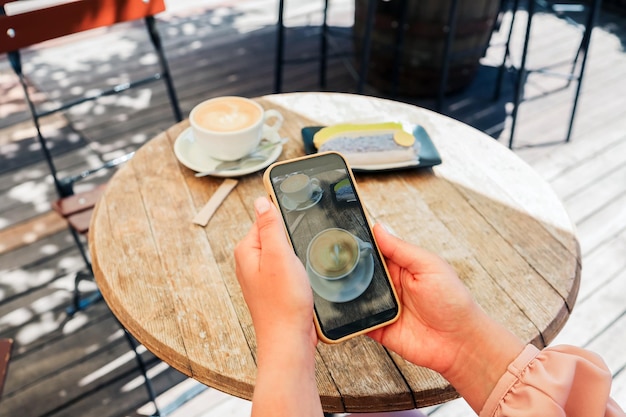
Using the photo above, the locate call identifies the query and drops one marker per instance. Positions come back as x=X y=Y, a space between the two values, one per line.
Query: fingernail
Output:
x=261 y=205
x=388 y=229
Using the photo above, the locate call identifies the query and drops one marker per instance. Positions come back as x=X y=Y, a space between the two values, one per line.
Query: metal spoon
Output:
x=240 y=163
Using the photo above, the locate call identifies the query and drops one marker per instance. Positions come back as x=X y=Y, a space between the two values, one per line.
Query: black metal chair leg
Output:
x=165 y=70
x=324 y=46
x=447 y=47
x=16 y=63
x=280 y=48
x=595 y=6
x=398 y=52
x=519 y=86
x=507 y=53
x=144 y=370
x=367 y=45
x=81 y=303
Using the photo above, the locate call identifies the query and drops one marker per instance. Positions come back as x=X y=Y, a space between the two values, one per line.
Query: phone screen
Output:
x=331 y=236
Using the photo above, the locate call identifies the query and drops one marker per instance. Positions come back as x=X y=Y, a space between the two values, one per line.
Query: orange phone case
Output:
x=270 y=190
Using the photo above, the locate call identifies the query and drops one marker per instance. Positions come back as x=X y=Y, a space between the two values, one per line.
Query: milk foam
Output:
x=227 y=116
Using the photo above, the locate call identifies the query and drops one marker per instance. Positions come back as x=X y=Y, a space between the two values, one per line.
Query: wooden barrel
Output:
x=617 y=6
x=422 y=51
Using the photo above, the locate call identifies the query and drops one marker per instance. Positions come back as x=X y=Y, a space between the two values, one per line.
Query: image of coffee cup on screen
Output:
x=340 y=265
x=299 y=192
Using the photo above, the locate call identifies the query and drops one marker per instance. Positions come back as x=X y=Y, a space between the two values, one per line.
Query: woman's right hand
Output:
x=441 y=327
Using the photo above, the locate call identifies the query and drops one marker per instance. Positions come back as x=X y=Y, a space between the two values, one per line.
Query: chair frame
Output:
x=19 y=31
x=71 y=18
x=6 y=345
x=280 y=48
x=580 y=59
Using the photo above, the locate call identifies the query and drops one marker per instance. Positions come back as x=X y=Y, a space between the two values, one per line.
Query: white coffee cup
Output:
x=335 y=253
x=299 y=187
x=229 y=128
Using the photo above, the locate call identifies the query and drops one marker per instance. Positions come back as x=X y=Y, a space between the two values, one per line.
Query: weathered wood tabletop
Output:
x=172 y=283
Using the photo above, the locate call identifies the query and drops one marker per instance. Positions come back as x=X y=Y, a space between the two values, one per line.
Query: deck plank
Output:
x=611 y=343
x=603 y=191
x=602 y=265
x=603 y=225
x=596 y=313
x=589 y=172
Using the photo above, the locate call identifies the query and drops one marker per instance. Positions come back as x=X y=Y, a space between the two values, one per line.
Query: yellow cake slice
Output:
x=366 y=145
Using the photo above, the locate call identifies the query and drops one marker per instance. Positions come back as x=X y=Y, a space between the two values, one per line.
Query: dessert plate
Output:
x=428 y=154
x=186 y=152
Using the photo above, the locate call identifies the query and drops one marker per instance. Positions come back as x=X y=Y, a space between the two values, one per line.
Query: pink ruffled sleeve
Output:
x=557 y=381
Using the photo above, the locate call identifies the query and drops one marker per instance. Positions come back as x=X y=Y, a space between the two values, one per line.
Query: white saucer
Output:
x=346 y=289
x=291 y=205
x=184 y=149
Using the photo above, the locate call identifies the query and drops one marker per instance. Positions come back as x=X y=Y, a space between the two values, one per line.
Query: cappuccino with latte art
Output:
x=229 y=128
x=228 y=114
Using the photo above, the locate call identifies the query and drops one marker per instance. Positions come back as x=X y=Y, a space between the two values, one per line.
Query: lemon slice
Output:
x=403 y=138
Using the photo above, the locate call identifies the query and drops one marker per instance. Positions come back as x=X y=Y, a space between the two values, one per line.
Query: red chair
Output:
x=21 y=28
x=5 y=354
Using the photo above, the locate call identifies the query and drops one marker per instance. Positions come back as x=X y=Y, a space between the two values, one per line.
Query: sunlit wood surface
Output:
x=172 y=284
x=82 y=366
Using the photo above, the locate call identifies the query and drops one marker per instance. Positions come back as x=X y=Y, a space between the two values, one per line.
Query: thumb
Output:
x=390 y=246
x=270 y=224
x=406 y=255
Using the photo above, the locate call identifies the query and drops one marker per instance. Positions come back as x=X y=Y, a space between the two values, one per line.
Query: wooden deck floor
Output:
x=83 y=367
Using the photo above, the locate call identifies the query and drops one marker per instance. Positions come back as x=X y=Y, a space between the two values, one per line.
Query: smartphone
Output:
x=331 y=234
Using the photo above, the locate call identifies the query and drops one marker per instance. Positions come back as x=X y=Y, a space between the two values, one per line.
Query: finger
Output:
x=249 y=242
x=248 y=250
x=247 y=254
x=270 y=226
x=404 y=254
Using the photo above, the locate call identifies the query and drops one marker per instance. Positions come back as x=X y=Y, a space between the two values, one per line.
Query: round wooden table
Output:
x=172 y=283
